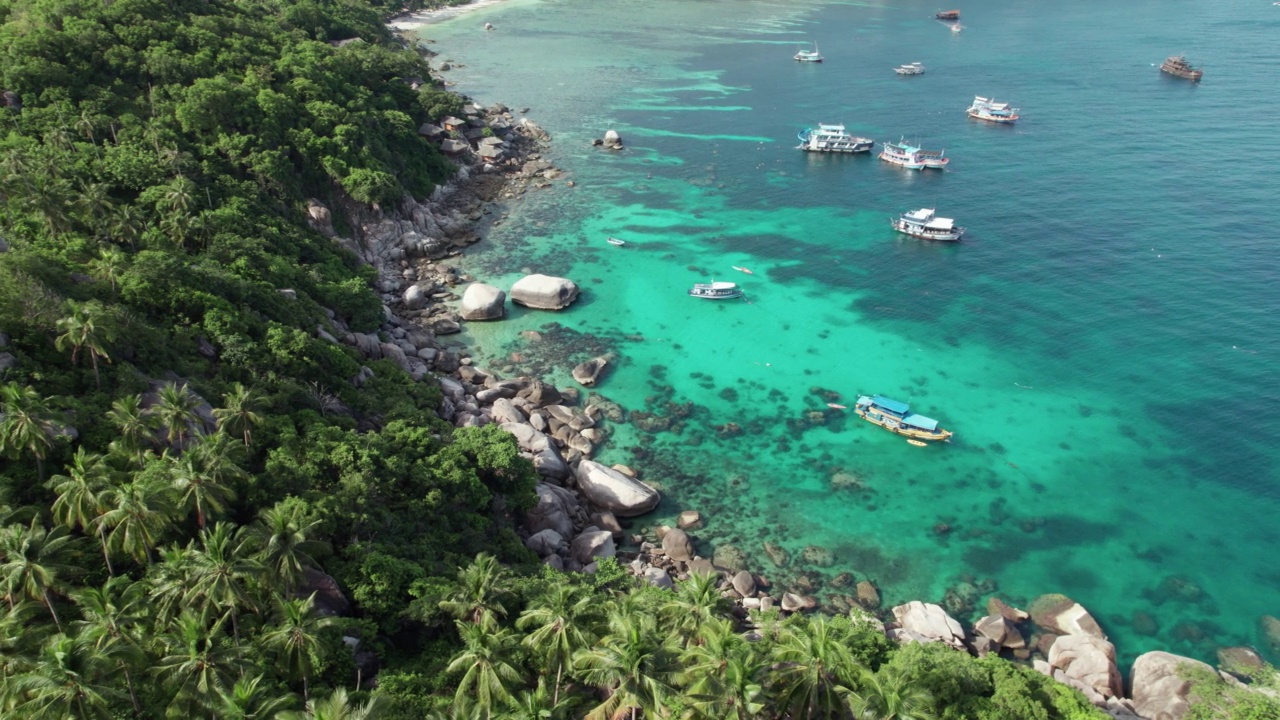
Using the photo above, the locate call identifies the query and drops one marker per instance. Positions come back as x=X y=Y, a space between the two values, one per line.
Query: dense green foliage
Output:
x=1213 y=699
x=183 y=450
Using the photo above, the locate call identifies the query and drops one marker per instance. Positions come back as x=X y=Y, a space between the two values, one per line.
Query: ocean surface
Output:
x=1104 y=343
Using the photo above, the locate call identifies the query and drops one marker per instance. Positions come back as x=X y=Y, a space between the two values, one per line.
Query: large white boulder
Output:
x=1090 y=661
x=482 y=302
x=1159 y=690
x=544 y=292
x=609 y=489
x=930 y=622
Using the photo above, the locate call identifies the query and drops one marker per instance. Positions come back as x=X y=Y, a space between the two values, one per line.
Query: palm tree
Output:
x=138 y=513
x=487 y=675
x=69 y=680
x=79 y=492
x=222 y=574
x=814 y=669
x=177 y=410
x=248 y=699
x=110 y=624
x=281 y=536
x=335 y=707
x=83 y=330
x=27 y=424
x=126 y=224
x=562 y=623
x=32 y=564
x=536 y=704
x=239 y=412
x=109 y=266
x=200 y=479
x=635 y=664
x=197 y=665
x=136 y=427
x=697 y=602
x=477 y=597
x=890 y=695
x=170 y=579
x=295 y=638
x=722 y=673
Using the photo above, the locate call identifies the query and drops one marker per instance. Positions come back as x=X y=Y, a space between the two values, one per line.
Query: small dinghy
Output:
x=918 y=443
x=742 y=269
x=837 y=406
x=616 y=241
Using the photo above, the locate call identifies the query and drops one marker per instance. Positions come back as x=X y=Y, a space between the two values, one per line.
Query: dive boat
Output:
x=992 y=111
x=833 y=138
x=716 y=290
x=913 y=157
x=1177 y=65
x=896 y=417
x=809 y=55
x=926 y=225
x=948 y=15
x=914 y=68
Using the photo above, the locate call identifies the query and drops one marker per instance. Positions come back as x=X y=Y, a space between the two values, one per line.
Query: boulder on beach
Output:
x=1090 y=662
x=554 y=510
x=592 y=544
x=677 y=544
x=545 y=542
x=996 y=606
x=931 y=622
x=1064 y=616
x=1000 y=631
x=482 y=302
x=543 y=292
x=1159 y=690
x=609 y=489
x=744 y=583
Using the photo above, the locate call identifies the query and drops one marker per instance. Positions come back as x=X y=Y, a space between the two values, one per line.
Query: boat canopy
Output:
x=824 y=127
x=940 y=224
x=920 y=216
x=893 y=406
x=920 y=421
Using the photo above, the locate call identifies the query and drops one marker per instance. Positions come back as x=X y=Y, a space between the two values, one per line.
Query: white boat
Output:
x=992 y=111
x=833 y=138
x=809 y=55
x=914 y=68
x=716 y=290
x=957 y=28
x=926 y=225
x=913 y=157
x=616 y=241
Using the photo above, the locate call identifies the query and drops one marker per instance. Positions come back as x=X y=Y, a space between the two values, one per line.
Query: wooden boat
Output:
x=742 y=270
x=837 y=406
x=1178 y=66
x=917 y=443
x=948 y=15
x=896 y=417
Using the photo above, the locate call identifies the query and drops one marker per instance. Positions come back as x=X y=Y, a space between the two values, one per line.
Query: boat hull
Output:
x=894 y=426
x=1004 y=119
x=1193 y=75
x=901 y=162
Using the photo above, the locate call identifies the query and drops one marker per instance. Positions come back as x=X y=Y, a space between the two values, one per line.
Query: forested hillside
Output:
x=210 y=508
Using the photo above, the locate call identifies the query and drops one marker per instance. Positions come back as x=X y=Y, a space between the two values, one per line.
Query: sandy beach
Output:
x=413 y=21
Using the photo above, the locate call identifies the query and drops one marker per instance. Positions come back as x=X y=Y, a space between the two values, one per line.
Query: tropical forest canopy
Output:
x=184 y=450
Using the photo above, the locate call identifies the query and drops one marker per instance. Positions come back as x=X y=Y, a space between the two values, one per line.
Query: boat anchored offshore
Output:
x=896 y=417
x=926 y=225
x=716 y=290
x=913 y=157
x=948 y=15
x=1177 y=65
x=992 y=111
x=809 y=55
x=833 y=138
x=616 y=241
x=914 y=68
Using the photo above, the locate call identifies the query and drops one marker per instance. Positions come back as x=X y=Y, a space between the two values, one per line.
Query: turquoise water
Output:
x=1104 y=344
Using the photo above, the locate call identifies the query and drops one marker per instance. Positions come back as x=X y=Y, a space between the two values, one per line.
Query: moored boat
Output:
x=992 y=111
x=1177 y=65
x=812 y=56
x=716 y=290
x=896 y=417
x=913 y=157
x=833 y=138
x=926 y=225
x=948 y=15
x=616 y=241
x=914 y=68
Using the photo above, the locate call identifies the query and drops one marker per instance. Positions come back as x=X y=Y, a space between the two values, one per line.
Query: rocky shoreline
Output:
x=585 y=508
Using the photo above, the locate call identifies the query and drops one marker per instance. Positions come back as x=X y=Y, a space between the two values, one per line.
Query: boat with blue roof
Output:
x=896 y=417
x=913 y=157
